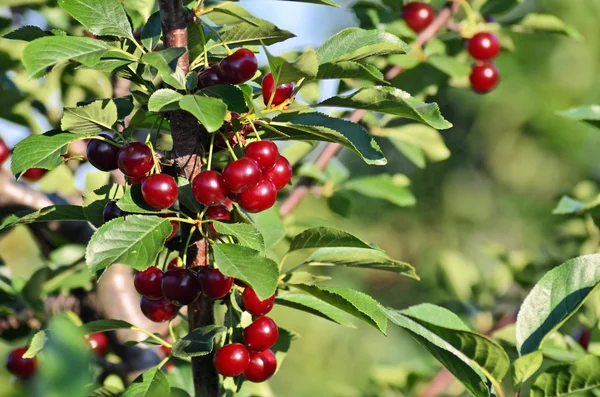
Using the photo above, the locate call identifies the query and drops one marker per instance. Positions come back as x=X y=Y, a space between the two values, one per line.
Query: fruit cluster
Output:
x=237 y=68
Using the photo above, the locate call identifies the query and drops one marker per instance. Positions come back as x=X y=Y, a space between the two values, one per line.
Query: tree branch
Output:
x=174 y=26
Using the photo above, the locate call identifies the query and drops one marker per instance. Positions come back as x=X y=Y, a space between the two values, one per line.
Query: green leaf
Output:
x=152 y=383
x=26 y=33
x=101 y=17
x=229 y=14
x=495 y=7
x=391 y=188
x=94 y=202
x=270 y=225
x=322 y=237
x=310 y=304
x=564 y=379
x=349 y=70
x=230 y=94
x=394 y=101
x=450 y=65
x=590 y=114
x=322 y=2
x=177 y=392
x=199 y=342
x=98 y=116
x=306 y=66
x=37 y=344
x=245 y=234
x=104 y=325
x=164 y=100
x=526 y=366
x=186 y=197
x=546 y=23
x=151 y=32
x=257 y=32
x=249 y=266
x=165 y=61
x=133 y=201
x=554 y=299
x=283 y=345
x=568 y=206
x=210 y=112
x=304 y=278
x=34 y=287
x=135 y=241
x=48 y=214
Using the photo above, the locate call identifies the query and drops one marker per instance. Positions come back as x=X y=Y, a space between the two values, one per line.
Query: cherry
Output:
x=254 y=306
x=261 y=367
x=159 y=191
x=484 y=77
x=175 y=263
x=98 y=342
x=209 y=188
x=218 y=213
x=148 y=283
x=232 y=359
x=483 y=46
x=239 y=67
x=261 y=335
x=180 y=286
x=135 y=159
x=4 y=152
x=261 y=197
x=418 y=15
x=211 y=76
x=213 y=283
x=111 y=211
x=281 y=173
x=22 y=367
x=34 y=174
x=240 y=175
x=174 y=225
x=159 y=311
x=282 y=92
x=265 y=153
x=102 y=154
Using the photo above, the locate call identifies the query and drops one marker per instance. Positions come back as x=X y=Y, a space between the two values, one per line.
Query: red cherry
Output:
x=484 y=77
x=111 y=211
x=102 y=154
x=240 y=175
x=283 y=91
x=218 y=213
x=175 y=263
x=261 y=367
x=211 y=76
x=23 y=367
x=239 y=67
x=159 y=191
x=261 y=197
x=232 y=359
x=254 y=306
x=418 y=15
x=265 y=153
x=98 y=342
x=159 y=311
x=213 y=283
x=34 y=174
x=174 y=225
x=281 y=173
x=135 y=159
x=180 y=286
x=148 y=282
x=483 y=46
x=261 y=335
x=209 y=188
x=4 y=152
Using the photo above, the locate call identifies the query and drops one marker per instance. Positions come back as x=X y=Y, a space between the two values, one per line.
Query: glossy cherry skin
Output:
x=262 y=366
x=218 y=213
x=24 y=367
x=254 y=306
x=159 y=191
x=213 y=283
x=484 y=77
x=180 y=286
x=265 y=153
x=159 y=311
x=135 y=159
x=4 y=152
x=101 y=154
x=98 y=343
x=260 y=198
x=232 y=359
x=111 y=211
x=34 y=174
x=282 y=92
x=483 y=46
x=281 y=173
x=239 y=67
x=148 y=283
x=211 y=76
x=261 y=335
x=209 y=188
x=240 y=175
x=418 y=15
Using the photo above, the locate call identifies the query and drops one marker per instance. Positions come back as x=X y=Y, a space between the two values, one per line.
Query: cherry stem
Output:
x=187 y=245
x=164 y=265
x=229 y=146
x=101 y=138
x=164 y=361
x=255 y=131
x=171 y=332
x=210 y=151
x=152 y=336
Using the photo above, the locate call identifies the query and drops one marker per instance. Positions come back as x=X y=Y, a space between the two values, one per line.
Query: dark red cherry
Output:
x=98 y=342
x=239 y=67
x=418 y=15
x=483 y=46
x=4 y=152
x=209 y=188
x=111 y=211
x=240 y=175
x=218 y=213
x=213 y=283
x=261 y=335
x=265 y=153
x=159 y=191
x=484 y=77
x=261 y=367
x=135 y=159
x=283 y=91
x=21 y=367
x=254 y=306
x=281 y=173
x=34 y=174
x=174 y=225
x=101 y=154
x=159 y=311
x=211 y=76
x=260 y=198
x=148 y=282
x=232 y=359
x=180 y=286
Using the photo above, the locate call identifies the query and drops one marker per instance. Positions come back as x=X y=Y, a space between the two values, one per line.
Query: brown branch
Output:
x=174 y=26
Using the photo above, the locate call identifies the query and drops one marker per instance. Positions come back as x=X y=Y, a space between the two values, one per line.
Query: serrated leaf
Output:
x=133 y=201
x=564 y=379
x=310 y=304
x=257 y=32
x=546 y=23
x=26 y=33
x=199 y=342
x=230 y=94
x=94 y=202
x=526 y=366
x=152 y=383
x=98 y=116
x=245 y=234
x=284 y=71
x=210 y=112
x=349 y=70
x=322 y=237
x=101 y=17
x=391 y=188
x=37 y=344
x=104 y=325
x=270 y=225
x=164 y=100
x=589 y=114
x=61 y=213
x=165 y=61
x=229 y=14
x=151 y=32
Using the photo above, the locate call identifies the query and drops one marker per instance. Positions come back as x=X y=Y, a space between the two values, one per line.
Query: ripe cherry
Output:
x=135 y=159
x=239 y=67
x=265 y=153
x=209 y=188
x=483 y=46
x=175 y=263
x=261 y=335
x=218 y=213
x=261 y=367
x=240 y=175
x=159 y=191
x=23 y=367
x=418 y=15
x=4 y=152
x=159 y=311
x=180 y=286
x=211 y=76
x=254 y=306
x=98 y=342
x=484 y=77
x=213 y=283
x=281 y=173
x=34 y=174
x=148 y=283
x=174 y=225
x=111 y=211
x=261 y=197
x=232 y=359
x=282 y=92
x=101 y=154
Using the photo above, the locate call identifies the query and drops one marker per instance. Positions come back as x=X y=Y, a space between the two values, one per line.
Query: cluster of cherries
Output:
x=31 y=175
